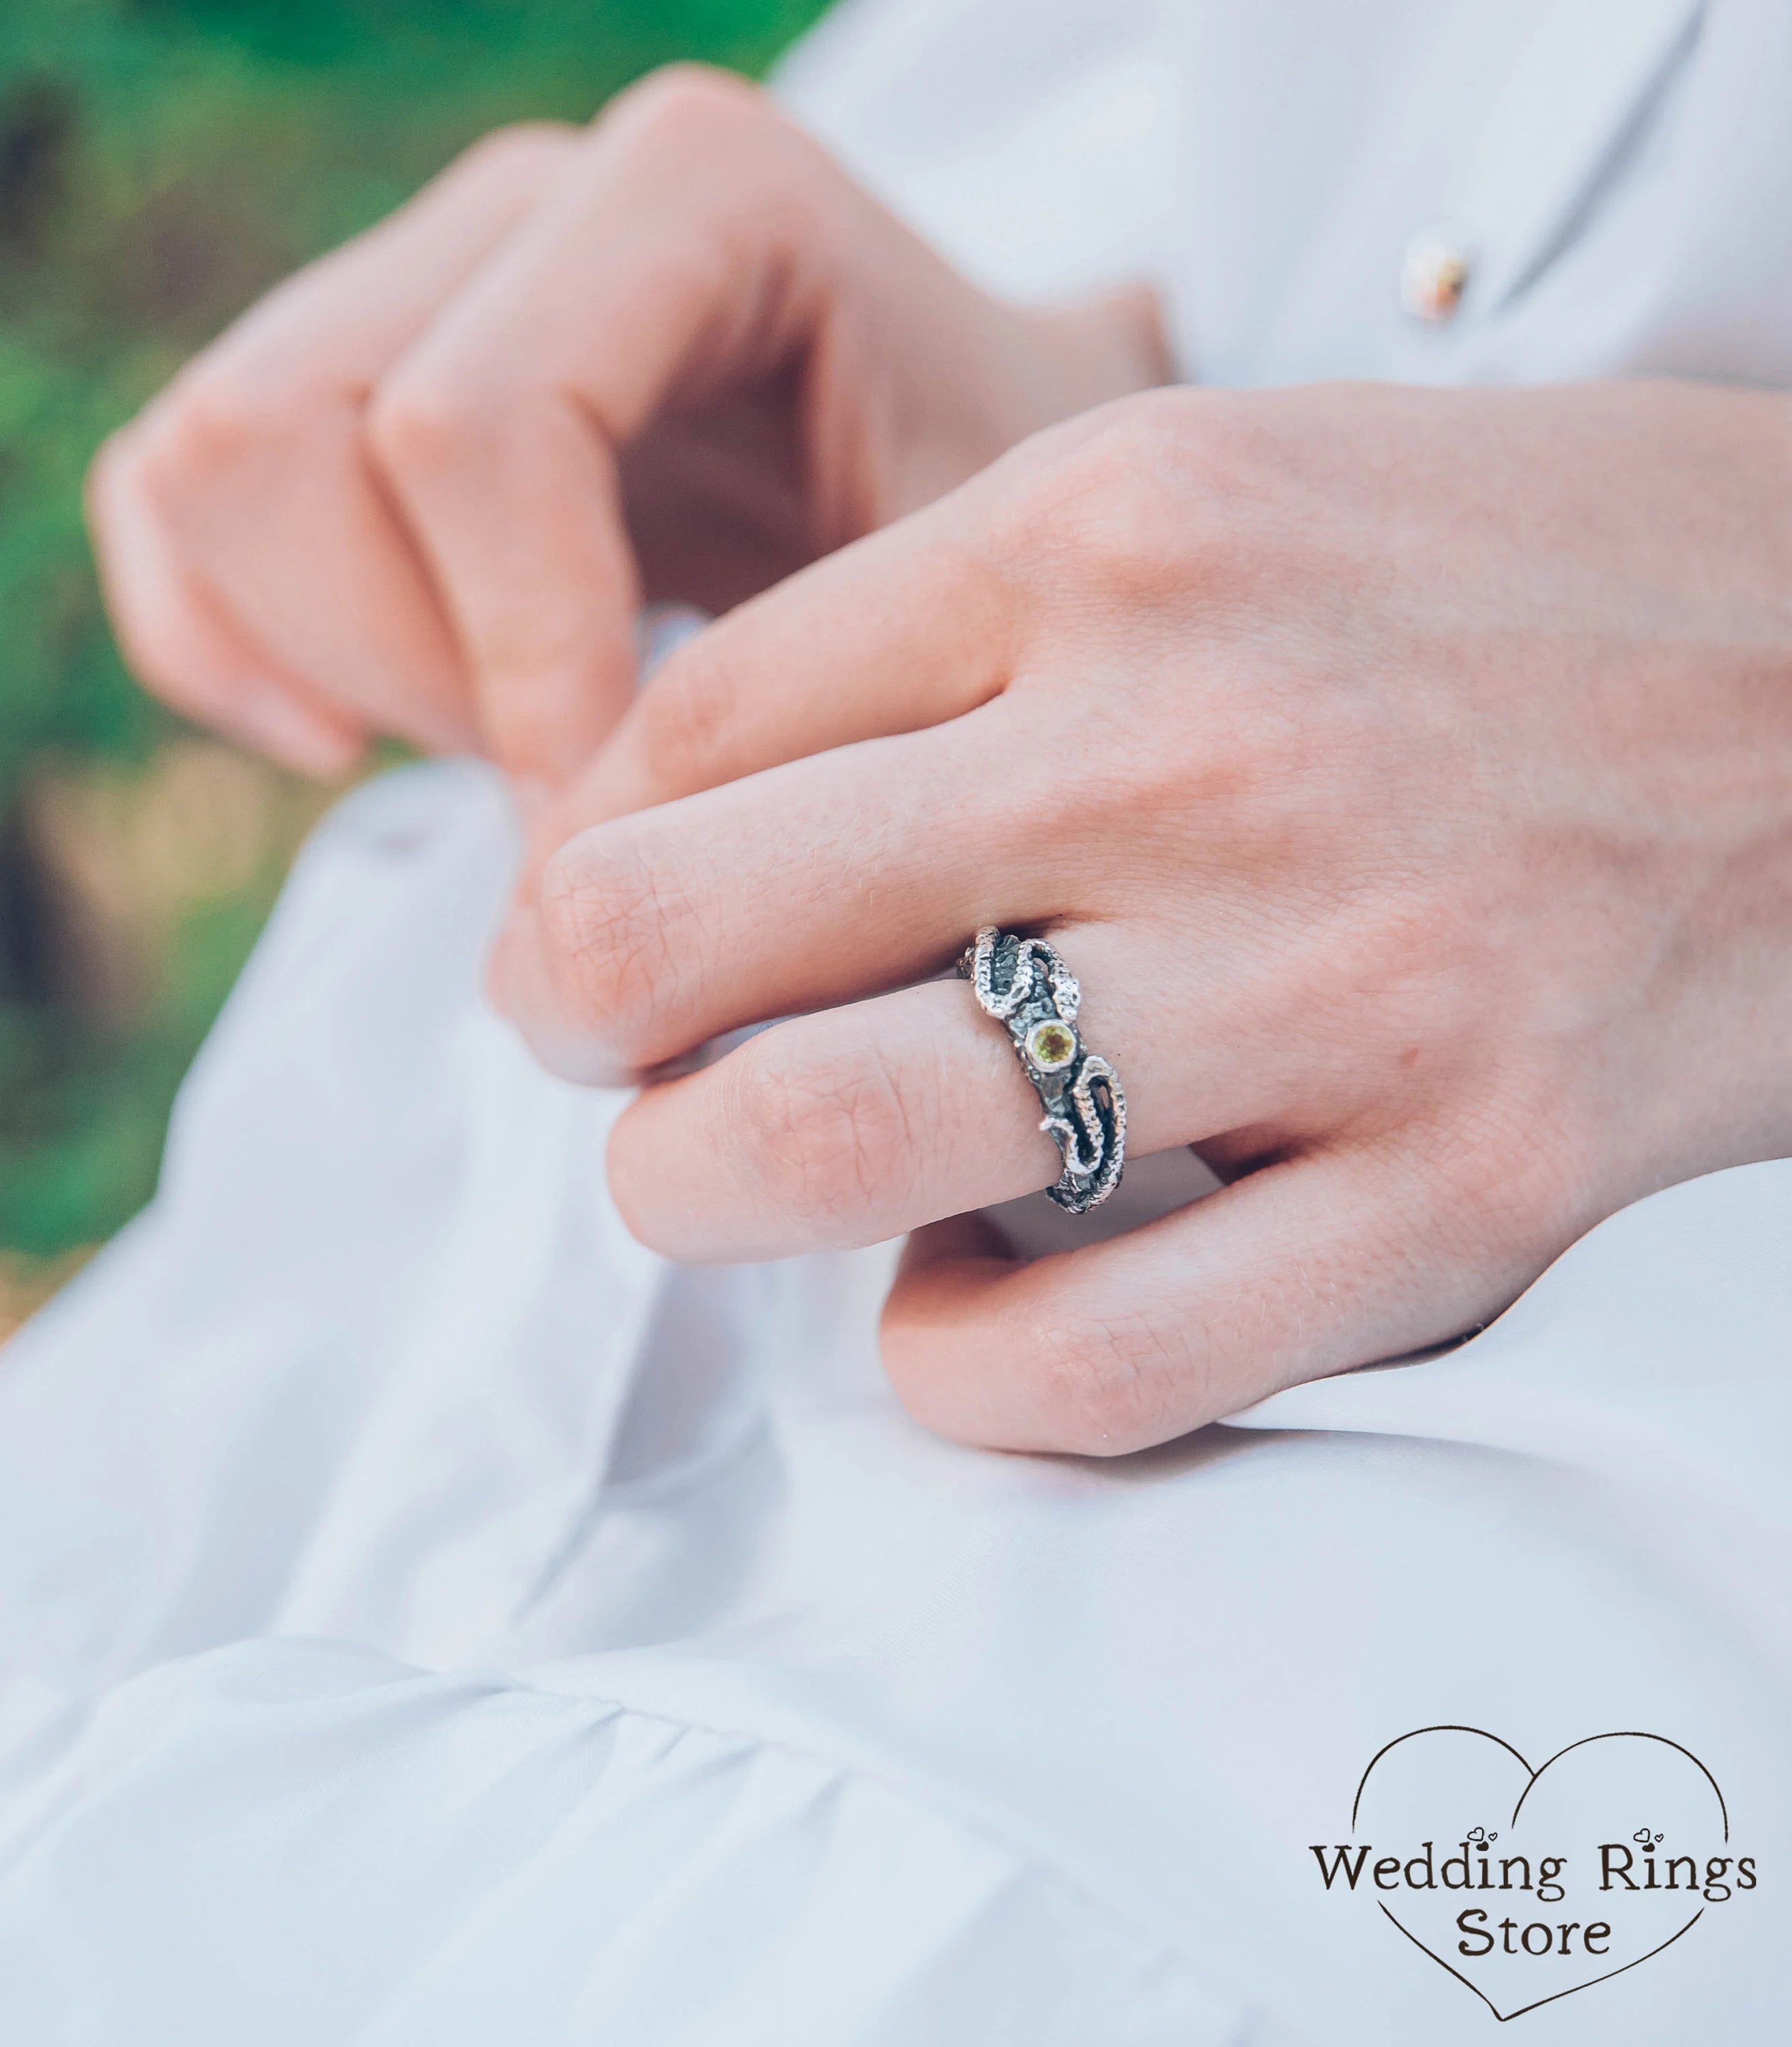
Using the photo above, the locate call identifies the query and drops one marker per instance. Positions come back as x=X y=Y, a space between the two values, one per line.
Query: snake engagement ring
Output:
x=1024 y=985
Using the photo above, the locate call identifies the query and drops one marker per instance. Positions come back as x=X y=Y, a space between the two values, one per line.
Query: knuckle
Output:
x=1106 y=506
x=208 y=424
x=1213 y=442
x=1148 y=427
x=419 y=425
x=1105 y=1380
x=680 y=101
x=828 y=1134
x=721 y=144
x=615 y=943
x=1149 y=496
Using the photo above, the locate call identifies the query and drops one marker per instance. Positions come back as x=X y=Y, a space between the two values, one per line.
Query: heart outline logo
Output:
x=1533 y=1776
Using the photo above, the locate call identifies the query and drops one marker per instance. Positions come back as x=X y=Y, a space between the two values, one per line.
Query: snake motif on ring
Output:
x=1024 y=985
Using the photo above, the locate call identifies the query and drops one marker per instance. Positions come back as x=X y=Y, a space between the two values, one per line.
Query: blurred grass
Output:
x=162 y=161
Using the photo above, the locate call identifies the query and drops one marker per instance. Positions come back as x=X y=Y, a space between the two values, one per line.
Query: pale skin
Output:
x=423 y=486
x=1406 y=776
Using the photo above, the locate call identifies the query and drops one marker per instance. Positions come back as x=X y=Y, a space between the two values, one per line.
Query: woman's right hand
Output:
x=423 y=486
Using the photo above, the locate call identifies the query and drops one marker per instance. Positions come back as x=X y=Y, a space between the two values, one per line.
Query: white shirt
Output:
x=426 y=1617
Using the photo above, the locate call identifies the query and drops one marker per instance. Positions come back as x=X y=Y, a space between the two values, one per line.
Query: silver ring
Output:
x=1023 y=983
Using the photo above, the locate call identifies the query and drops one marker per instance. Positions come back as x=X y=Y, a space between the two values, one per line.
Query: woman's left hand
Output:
x=1406 y=776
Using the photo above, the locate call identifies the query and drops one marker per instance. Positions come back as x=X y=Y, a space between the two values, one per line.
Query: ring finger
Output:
x=852 y=1126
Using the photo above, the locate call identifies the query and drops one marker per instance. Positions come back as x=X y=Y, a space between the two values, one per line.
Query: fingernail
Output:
x=281 y=724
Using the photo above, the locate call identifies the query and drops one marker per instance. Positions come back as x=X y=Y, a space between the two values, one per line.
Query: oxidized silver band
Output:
x=1023 y=983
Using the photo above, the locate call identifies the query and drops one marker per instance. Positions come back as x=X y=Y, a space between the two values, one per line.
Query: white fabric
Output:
x=426 y=1617
x=1620 y=172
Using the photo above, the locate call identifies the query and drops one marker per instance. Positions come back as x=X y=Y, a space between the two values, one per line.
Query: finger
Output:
x=1328 y=1261
x=256 y=459
x=808 y=885
x=181 y=640
x=282 y=520
x=850 y=1127
x=665 y=266
x=855 y=647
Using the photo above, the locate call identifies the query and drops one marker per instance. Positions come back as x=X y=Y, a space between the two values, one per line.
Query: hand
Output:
x=1407 y=777
x=422 y=488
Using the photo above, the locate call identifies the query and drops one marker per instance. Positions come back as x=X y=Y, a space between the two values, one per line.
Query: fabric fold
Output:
x=570 y=1870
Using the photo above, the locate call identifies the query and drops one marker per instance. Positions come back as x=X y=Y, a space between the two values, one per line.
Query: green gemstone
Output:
x=1051 y=1045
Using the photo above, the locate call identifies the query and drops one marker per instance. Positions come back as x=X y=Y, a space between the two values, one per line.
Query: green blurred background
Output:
x=161 y=161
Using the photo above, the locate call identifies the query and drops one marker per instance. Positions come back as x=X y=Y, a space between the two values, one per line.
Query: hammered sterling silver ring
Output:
x=1025 y=985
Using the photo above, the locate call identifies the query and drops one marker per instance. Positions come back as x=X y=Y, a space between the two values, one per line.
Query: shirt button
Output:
x=1433 y=278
